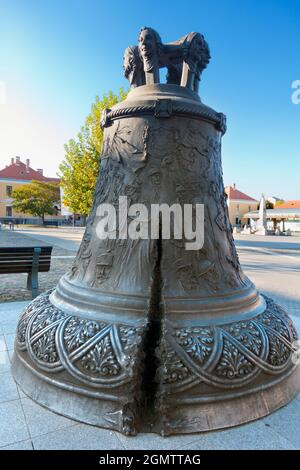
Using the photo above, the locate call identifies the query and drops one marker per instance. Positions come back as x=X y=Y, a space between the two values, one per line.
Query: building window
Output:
x=9 y=191
x=8 y=211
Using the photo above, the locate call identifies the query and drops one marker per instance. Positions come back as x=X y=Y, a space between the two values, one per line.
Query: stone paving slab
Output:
x=4 y=362
x=13 y=425
x=78 y=437
x=22 y=445
x=41 y=421
x=8 y=327
x=147 y=441
x=286 y=422
x=11 y=238
x=2 y=343
x=9 y=340
x=8 y=388
x=253 y=436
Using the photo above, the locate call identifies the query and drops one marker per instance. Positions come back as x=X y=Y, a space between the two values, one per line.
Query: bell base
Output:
x=72 y=405
x=186 y=419
x=207 y=377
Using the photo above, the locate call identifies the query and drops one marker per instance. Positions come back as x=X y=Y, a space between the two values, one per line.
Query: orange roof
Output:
x=19 y=171
x=234 y=193
x=289 y=205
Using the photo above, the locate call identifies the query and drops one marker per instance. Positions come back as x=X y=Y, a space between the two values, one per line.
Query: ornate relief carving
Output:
x=104 y=265
x=44 y=348
x=35 y=306
x=78 y=331
x=279 y=351
x=233 y=364
x=172 y=370
x=246 y=333
x=227 y=355
x=101 y=359
x=197 y=342
x=120 y=145
x=186 y=275
x=92 y=352
x=83 y=257
x=155 y=180
x=129 y=339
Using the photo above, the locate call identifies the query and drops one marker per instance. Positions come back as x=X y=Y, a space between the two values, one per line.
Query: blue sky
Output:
x=56 y=56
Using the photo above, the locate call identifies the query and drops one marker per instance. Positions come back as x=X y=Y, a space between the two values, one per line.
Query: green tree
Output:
x=79 y=170
x=37 y=198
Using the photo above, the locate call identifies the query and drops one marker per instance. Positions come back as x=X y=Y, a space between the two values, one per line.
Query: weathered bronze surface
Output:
x=143 y=335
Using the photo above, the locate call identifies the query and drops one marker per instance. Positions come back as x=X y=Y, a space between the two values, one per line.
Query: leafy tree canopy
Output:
x=37 y=198
x=79 y=169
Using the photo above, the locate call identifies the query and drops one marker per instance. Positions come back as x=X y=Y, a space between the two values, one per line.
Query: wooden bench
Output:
x=26 y=259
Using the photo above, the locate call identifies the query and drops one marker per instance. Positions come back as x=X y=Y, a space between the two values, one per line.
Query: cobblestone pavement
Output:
x=273 y=264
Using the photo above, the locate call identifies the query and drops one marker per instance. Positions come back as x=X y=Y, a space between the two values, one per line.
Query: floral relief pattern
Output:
x=88 y=348
x=172 y=370
x=44 y=348
x=246 y=349
x=81 y=346
x=197 y=342
x=233 y=363
x=78 y=331
x=101 y=359
x=247 y=334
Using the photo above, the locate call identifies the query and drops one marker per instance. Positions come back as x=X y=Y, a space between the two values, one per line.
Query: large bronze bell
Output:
x=143 y=334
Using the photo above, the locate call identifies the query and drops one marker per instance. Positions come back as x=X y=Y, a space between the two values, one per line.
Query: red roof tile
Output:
x=234 y=193
x=19 y=171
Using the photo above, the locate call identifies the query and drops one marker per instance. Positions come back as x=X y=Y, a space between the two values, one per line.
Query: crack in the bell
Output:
x=152 y=338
